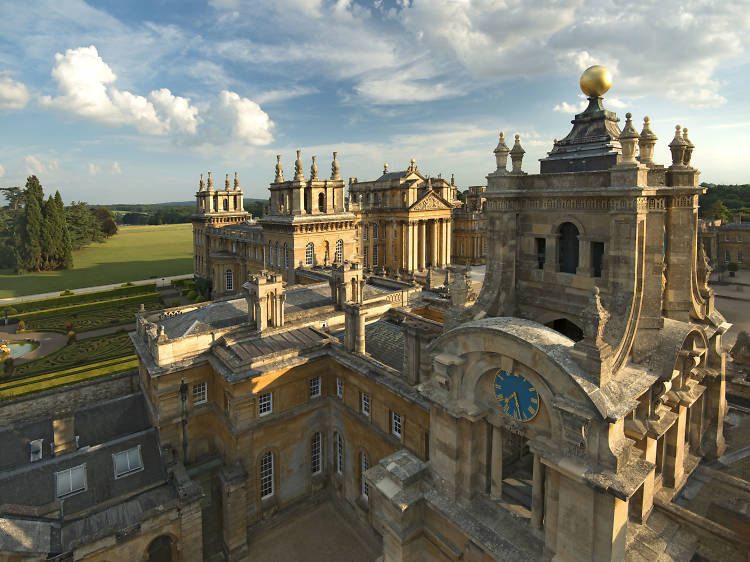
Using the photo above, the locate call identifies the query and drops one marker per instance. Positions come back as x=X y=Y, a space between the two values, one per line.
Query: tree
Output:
x=50 y=243
x=14 y=196
x=66 y=248
x=29 y=249
x=34 y=188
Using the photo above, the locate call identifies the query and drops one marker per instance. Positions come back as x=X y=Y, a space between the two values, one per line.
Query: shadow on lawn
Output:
x=12 y=285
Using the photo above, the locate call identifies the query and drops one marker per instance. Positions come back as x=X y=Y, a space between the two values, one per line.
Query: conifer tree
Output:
x=30 y=250
x=66 y=247
x=50 y=233
x=34 y=187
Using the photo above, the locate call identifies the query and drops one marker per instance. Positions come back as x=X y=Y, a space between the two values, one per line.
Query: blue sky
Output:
x=123 y=102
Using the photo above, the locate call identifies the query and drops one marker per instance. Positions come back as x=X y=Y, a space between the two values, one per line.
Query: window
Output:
x=315 y=387
x=374 y=231
x=568 y=251
x=365 y=401
x=727 y=256
x=396 y=424
x=375 y=255
x=321 y=203
x=229 y=280
x=286 y=256
x=726 y=238
x=339 y=453
x=597 y=257
x=739 y=256
x=70 y=481
x=339 y=387
x=266 y=475
x=541 y=252
x=339 y=256
x=309 y=249
x=364 y=257
x=278 y=255
x=365 y=228
x=317 y=453
x=127 y=462
x=200 y=393
x=35 y=450
x=739 y=238
x=265 y=404
x=376 y=200
x=270 y=253
x=364 y=465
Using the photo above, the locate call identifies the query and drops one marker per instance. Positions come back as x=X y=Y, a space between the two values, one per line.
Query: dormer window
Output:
x=35 y=450
x=70 y=481
x=127 y=462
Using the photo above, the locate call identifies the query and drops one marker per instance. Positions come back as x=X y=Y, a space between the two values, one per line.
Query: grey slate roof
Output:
x=307 y=298
x=14 y=442
x=244 y=352
x=205 y=318
x=111 y=419
x=385 y=342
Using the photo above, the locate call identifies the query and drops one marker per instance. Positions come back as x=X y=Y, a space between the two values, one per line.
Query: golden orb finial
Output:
x=595 y=81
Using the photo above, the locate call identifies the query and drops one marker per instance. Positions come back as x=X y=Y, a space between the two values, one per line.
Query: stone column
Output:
x=448 y=240
x=585 y=267
x=496 y=463
x=233 y=480
x=550 y=253
x=537 y=494
x=413 y=246
x=422 y=243
x=435 y=244
x=642 y=502
x=674 y=450
x=404 y=245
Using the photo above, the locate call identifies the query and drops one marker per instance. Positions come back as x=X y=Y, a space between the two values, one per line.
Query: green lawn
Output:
x=134 y=253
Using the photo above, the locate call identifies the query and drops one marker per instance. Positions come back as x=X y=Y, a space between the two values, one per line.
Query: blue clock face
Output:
x=517 y=396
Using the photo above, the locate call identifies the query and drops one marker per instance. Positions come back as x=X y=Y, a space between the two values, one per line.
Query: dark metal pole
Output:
x=183 y=395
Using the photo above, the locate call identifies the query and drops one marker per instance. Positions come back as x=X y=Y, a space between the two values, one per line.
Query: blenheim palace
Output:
x=565 y=410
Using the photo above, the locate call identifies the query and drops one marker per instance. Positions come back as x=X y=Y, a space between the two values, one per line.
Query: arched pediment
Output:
x=536 y=350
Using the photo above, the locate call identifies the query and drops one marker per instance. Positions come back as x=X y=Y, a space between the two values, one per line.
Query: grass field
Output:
x=134 y=253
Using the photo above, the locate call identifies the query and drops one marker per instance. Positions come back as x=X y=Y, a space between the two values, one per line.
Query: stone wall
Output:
x=39 y=404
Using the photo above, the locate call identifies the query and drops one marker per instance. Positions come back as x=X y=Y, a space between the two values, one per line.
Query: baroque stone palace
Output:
x=556 y=416
x=399 y=225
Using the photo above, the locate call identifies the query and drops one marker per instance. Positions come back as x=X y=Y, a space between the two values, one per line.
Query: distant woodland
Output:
x=725 y=201
x=40 y=235
x=170 y=213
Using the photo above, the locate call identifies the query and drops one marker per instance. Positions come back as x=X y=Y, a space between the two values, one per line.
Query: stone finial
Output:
x=335 y=175
x=677 y=147
x=314 y=169
x=226 y=183
x=628 y=139
x=646 y=143
x=516 y=155
x=298 y=173
x=412 y=165
x=279 y=170
x=689 y=146
x=453 y=179
x=210 y=182
x=501 y=154
x=385 y=168
x=202 y=184
x=236 y=182
x=704 y=268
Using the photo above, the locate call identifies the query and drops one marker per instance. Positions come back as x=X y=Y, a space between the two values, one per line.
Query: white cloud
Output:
x=37 y=166
x=85 y=84
x=249 y=123
x=274 y=96
x=116 y=168
x=178 y=112
x=13 y=95
x=93 y=169
x=2 y=170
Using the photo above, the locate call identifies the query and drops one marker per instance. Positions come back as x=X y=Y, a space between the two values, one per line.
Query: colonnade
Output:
x=410 y=245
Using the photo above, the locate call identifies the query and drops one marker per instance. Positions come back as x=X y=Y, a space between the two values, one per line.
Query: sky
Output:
x=128 y=102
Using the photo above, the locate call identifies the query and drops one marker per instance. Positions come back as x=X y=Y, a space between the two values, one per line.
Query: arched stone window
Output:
x=339 y=257
x=270 y=253
x=309 y=252
x=229 y=278
x=568 y=249
x=278 y=255
x=160 y=549
x=286 y=256
x=321 y=203
x=226 y=204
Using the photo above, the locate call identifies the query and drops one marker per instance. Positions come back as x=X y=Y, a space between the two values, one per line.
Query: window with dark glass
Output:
x=597 y=257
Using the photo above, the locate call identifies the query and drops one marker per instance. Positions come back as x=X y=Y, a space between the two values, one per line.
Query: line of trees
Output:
x=40 y=235
x=725 y=201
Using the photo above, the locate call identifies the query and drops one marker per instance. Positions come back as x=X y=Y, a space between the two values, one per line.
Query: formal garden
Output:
x=79 y=354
